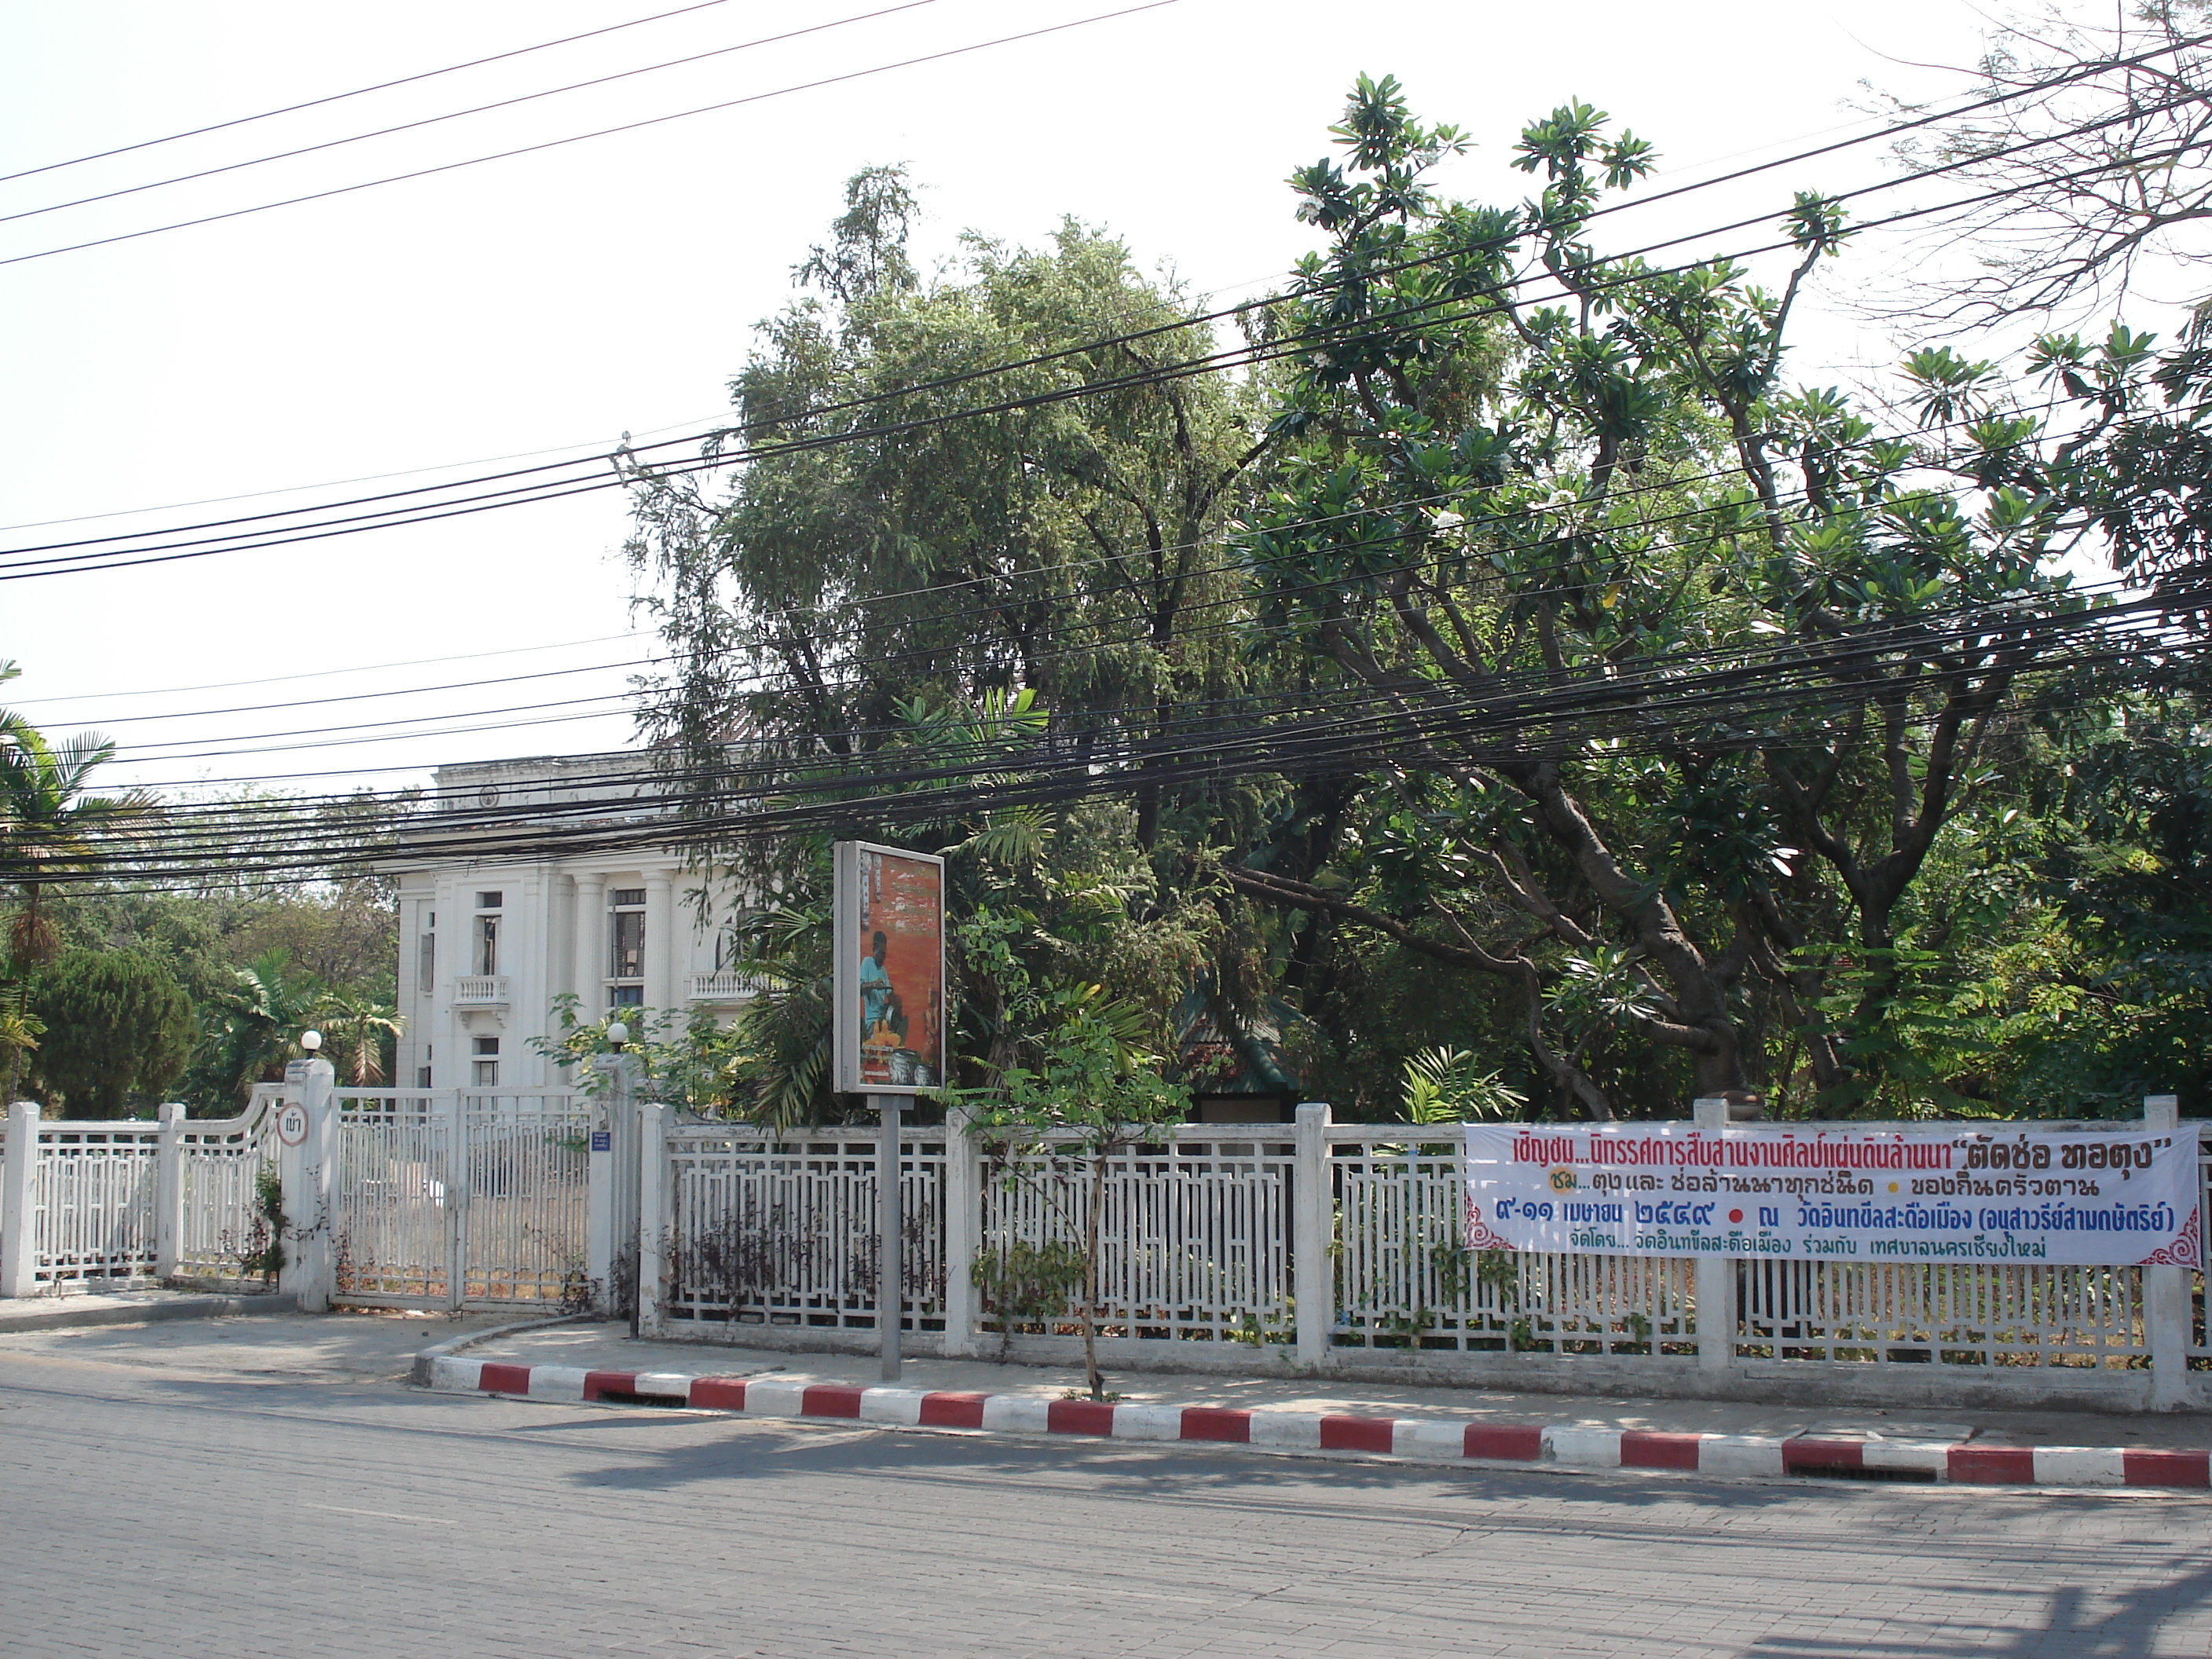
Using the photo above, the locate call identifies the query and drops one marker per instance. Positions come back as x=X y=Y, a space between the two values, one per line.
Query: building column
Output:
x=660 y=940
x=590 y=946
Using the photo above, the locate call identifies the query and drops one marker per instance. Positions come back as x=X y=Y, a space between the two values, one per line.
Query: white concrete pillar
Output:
x=611 y=1197
x=561 y=936
x=964 y=1229
x=307 y=1138
x=1313 y=1210
x=2166 y=1310
x=1716 y=1275
x=19 y=1203
x=169 y=1192
x=590 y=947
x=660 y=940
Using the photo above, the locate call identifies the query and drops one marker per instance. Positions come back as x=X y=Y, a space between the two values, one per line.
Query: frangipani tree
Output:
x=1525 y=481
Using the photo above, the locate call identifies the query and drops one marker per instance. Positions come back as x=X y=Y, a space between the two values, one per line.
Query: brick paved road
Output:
x=182 y=1513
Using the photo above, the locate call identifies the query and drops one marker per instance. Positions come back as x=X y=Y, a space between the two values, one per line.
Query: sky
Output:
x=541 y=306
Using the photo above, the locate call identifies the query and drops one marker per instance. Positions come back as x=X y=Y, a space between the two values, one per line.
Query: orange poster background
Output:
x=904 y=900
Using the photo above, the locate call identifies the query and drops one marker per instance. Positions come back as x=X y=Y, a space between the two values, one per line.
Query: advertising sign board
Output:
x=1948 y=1193
x=890 y=929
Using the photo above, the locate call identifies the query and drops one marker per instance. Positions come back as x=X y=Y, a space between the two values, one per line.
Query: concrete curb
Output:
x=422 y=1372
x=1413 y=1439
x=63 y=1317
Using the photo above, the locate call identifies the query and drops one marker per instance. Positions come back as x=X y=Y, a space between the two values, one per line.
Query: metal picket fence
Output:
x=779 y=1230
x=1195 y=1234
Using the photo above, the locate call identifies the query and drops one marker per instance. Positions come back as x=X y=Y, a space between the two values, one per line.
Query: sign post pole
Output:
x=890 y=1225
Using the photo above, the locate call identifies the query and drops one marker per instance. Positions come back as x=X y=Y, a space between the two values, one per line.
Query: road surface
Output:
x=160 y=1503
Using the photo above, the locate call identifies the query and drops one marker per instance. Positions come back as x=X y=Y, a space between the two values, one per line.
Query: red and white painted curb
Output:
x=1434 y=1440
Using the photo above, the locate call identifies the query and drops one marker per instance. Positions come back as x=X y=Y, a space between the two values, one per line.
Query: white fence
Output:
x=109 y=1205
x=776 y=1232
x=441 y=1199
x=1336 y=1249
x=1318 y=1247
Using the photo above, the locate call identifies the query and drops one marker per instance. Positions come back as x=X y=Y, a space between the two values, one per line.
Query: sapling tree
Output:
x=1081 y=1088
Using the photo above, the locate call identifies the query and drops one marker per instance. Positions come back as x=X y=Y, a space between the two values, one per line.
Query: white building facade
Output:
x=488 y=941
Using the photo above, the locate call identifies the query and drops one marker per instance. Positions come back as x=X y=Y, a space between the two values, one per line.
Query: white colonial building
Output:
x=487 y=939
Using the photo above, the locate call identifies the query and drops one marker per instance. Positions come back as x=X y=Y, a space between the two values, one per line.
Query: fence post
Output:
x=964 y=1229
x=1716 y=1275
x=1313 y=1228
x=2165 y=1293
x=611 y=1201
x=19 y=1203
x=652 y=1216
x=169 y=1192
x=307 y=1138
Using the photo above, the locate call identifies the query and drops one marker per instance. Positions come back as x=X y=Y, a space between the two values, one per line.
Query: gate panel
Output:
x=449 y=1201
x=394 y=1223
x=528 y=1172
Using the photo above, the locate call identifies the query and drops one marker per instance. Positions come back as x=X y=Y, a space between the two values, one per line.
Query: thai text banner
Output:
x=2087 y=1198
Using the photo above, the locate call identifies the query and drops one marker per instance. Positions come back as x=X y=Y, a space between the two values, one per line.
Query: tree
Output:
x=1667 y=878
x=2087 y=163
x=118 y=1027
x=49 y=826
x=1076 y=1088
x=359 y=1032
x=253 y=1029
x=917 y=524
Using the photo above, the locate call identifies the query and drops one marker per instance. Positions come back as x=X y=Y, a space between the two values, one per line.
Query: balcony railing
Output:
x=480 y=991
x=727 y=986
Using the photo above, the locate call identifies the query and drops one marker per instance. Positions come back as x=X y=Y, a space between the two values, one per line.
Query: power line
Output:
x=1102 y=641
x=1092 y=635
x=1212 y=362
x=1593 y=707
x=582 y=138
x=358 y=92
x=314 y=674
x=558 y=490
x=455 y=115
x=1875 y=634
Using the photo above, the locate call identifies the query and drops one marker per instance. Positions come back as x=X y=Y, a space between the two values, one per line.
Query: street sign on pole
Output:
x=889 y=1024
x=889 y=923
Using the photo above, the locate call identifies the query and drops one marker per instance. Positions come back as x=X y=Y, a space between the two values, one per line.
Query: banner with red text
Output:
x=1948 y=1193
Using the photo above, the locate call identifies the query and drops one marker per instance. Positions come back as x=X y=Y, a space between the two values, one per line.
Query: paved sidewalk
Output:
x=585 y=1362
x=263 y=1345
x=78 y=1309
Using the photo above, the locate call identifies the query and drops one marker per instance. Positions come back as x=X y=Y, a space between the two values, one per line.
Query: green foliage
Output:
x=1076 y=1085
x=263 y=1254
x=250 y=1029
x=20 y=1031
x=358 y=1034
x=119 y=1030
x=1445 y=1085
x=50 y=825
x=1488 y=493
x=1910 y=892
x=835 y=599
x=1025 y=1284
